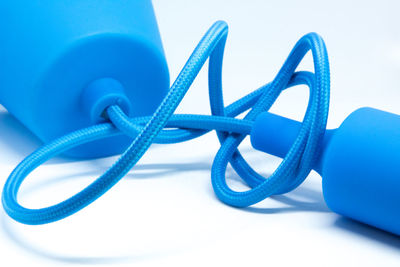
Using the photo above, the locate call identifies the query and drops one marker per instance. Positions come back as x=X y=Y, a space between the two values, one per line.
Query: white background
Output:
x=165 y=212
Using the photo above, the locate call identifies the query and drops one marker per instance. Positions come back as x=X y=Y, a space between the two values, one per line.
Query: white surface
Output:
x=164 y=212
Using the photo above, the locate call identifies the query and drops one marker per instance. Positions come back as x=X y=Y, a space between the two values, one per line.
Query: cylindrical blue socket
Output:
x=359 y=163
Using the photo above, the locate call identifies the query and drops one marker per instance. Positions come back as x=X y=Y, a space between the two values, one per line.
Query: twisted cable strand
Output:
x=231 y=131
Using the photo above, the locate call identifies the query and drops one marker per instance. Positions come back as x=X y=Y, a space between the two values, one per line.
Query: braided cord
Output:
x=231 y=132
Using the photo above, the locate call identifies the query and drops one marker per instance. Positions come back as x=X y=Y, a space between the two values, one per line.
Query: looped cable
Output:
x=231 y=131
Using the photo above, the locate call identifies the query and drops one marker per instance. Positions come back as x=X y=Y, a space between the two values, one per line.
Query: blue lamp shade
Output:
x=52 y=51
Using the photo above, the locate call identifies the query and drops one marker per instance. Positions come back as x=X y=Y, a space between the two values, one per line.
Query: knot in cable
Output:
x=230 y=130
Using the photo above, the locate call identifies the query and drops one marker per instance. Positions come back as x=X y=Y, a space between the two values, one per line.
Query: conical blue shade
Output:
x=51 y=51
x=359 y=163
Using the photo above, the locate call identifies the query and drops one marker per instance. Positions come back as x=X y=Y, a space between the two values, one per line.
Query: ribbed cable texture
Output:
x=231 y=131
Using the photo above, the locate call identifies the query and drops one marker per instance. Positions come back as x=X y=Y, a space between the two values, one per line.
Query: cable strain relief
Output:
x=99 y=95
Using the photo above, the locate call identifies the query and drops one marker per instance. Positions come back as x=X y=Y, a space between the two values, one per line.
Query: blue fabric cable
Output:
x=231 y=132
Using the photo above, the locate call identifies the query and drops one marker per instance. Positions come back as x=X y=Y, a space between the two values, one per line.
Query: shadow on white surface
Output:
x=313 y=202
x=160 y=170
x=16 y=238
x=369 y=232
x=143 y=171
x=316 y=202
x=20 y=241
